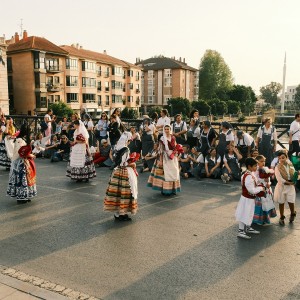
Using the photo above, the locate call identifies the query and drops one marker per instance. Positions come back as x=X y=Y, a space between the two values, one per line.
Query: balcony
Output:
x=90 y=103
x=73 y=104
x=53 y=88
x=53 y=69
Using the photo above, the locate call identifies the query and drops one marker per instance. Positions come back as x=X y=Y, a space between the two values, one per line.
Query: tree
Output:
x=61 y=109
x=179 y=106
x=215 y=77
x=297 y=97
x=153 y=109
x=129 y=113
x=270 y=92
x=218 y=107
x=242 y=93
x=234 y=107
x=202 y=106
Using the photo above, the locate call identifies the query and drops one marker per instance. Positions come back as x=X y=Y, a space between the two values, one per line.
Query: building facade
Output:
x=42 y=73
x=164 y=78
x=290 y=93
x=4 y=100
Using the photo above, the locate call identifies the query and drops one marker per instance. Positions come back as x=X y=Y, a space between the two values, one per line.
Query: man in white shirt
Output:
x=295 y=135
x=162 y=121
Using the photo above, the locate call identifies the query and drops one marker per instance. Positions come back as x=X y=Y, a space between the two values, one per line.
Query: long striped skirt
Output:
x=4 y=159
x=118 y=194
x=262 y=217
x=157 y=181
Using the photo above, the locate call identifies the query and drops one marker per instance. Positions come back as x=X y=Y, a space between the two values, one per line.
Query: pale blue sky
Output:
x=251 y=35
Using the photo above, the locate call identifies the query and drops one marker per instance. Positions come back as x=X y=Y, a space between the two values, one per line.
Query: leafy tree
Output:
x=242 y=93
x=179 y=106
x=218 y=107
x=297 y=97
x=215 y=77
x=270 y=92
x=234 y=107
x=61 y=109
x=153 y=109
x=129 y=113
x=202 y=106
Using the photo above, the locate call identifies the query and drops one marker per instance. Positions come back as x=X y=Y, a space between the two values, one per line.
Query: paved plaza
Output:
x=180 y=247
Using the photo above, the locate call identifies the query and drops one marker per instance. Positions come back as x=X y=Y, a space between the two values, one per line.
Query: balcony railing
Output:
x=53 y=69
x=89 y=101
x=53 y=87
x=72 y=101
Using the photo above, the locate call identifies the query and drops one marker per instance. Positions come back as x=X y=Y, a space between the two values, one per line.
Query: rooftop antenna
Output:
x=21 y=28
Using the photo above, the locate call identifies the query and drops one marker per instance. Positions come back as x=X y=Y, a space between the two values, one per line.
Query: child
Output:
x=198 y=163
x=185 y=163
x=264 y=206
x=212 y=164
x=149 y=159
x=231 y=168
x=245 y=209
x=285 y=189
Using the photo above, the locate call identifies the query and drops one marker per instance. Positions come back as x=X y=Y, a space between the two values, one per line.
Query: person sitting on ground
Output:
x=231 y=168
x=150 y=158
x=49 y=150
x=198 y=164
x=185 y=163
x=39 y=146
x=254 y=153
x=102 y=153
x=212 y=164
x=63 y=150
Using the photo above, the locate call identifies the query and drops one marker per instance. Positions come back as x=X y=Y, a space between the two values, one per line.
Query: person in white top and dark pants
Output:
x=295 y=135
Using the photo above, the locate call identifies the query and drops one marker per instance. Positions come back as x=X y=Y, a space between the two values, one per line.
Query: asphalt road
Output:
x=182 y=247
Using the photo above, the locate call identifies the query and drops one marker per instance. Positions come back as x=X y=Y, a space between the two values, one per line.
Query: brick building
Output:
x=40 y=73
x=164 y=78
x=4 y=101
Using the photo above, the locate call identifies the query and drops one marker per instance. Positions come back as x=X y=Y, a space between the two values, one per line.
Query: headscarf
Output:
x=122 y=142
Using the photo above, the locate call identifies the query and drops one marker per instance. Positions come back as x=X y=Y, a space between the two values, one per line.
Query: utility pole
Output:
x=283 y=86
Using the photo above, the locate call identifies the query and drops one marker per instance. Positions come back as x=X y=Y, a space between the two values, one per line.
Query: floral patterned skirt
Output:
x=4 y=159
x=83 y=173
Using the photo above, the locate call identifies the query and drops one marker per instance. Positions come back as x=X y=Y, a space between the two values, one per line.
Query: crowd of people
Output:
x=170 y=151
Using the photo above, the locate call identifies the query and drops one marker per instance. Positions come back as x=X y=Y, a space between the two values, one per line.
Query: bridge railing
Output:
x=251 y=128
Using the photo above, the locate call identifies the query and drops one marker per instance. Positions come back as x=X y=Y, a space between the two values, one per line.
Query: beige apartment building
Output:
x=164 y=78
x=42 y=73
x=4 y=101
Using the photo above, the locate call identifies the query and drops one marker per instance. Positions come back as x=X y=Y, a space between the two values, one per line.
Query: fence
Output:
x=251 y=128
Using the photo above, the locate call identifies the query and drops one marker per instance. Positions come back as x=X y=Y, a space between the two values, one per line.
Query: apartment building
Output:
x=164 y=78
x=290 y=93
x=42 y=73
x=4 y=101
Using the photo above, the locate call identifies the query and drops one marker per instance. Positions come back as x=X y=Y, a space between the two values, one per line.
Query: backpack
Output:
x=44 y=126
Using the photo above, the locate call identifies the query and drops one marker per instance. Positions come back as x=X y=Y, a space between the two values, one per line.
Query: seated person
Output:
x=39 y=146
x=212 y=164
x=231 y=168
x=198 y=163
x=150 y=158
x=49 y=150
x=62 y=150
x=185 y=162
x=102 y=153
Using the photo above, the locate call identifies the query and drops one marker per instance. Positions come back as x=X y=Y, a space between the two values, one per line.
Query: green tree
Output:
x=129 y=113
x=179 y=106
x=202 y=106
x=61 y=109
x=297 y=97
x=153 y=109
x=270 y=92
x=215 y=77
x=218 y=107
x=234 y=107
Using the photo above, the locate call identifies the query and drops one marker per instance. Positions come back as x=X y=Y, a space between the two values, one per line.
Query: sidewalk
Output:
x=14 y=289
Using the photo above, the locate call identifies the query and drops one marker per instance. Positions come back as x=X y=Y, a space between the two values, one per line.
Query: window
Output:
x=116 y=99
x=71 y=80
x=72 y=97
x=50 y=99
x=106 y=73
x=98 y=70
x=56 y=80
x=52 y=64
x=137 y=88
x=150 y=99
x=130 y=73
x=57 y=98
x=116 y=85
x=39 y=60
x=129 y=99
x=166 y=98
x=88 y=82
x=41 y=100
x=99 y=98
x=88 y=66
x=71 y=64
x=130 y=86
x=10 y=83
x=118 y=71
x=88 y=98
x=106 y=86
x=137 y=76
x=40 y=80
x=167 y=77
x=99 y=86
x=150 y=74
x=106 y=100
x=9 y=64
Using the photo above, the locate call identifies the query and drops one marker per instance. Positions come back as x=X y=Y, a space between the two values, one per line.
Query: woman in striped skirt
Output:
x=121 y=193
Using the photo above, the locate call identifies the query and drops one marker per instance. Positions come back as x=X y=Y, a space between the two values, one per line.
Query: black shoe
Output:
x=124 y=218
x=281 y=221
x=292 y=217
x=21 y=201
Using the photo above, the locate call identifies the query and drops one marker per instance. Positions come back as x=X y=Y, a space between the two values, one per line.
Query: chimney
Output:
x=17 y=38
x=104 y=52
x=77 y=46
x=25 y=35
x=81 y=47
x=184 y=60
x=180 y=59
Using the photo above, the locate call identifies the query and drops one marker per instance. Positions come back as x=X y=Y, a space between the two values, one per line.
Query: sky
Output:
x=251 y=35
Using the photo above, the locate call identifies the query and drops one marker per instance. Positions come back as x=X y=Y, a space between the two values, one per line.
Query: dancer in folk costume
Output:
x=22 y=176
x=165 y=172
x=245 y=209
x=7 y=136
x=285 y=188
x=81 y=166
x=122 y=190
x=264 y=205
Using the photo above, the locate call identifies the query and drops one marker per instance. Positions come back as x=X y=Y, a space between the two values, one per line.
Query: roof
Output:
x=159 y=63
x=96 y=56
x=35 y=43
